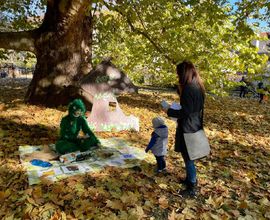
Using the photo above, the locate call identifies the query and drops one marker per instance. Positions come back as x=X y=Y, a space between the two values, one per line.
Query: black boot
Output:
x=186 y=182
x=190 y=191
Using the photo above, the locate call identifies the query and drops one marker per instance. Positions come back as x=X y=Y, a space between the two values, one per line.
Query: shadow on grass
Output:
x=15 y=134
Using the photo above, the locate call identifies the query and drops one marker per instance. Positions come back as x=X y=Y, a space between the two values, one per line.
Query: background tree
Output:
x=62 y=45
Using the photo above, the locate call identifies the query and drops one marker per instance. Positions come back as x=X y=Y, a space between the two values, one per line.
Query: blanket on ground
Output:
x=114 y=152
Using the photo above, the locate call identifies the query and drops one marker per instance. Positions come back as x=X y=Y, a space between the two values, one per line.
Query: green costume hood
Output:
x=76 y=104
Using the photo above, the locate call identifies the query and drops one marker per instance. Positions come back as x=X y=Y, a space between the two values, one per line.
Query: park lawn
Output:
x=234 y=180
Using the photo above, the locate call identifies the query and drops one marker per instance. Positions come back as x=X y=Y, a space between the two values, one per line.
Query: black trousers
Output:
x=161 y=162
x=243 y=91
x=261 y=97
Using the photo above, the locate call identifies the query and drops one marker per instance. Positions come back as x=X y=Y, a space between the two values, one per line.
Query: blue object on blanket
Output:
x=128 y=156
x=40 y=163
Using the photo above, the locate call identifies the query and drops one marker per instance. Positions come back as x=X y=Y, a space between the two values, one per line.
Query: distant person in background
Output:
x=260 y=91
x=243 y=88
x=3 y=74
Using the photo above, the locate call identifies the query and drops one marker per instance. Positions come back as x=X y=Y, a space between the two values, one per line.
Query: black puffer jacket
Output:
x=190 y=115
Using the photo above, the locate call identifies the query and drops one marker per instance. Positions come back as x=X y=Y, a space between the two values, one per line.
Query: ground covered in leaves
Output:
x=234 y=180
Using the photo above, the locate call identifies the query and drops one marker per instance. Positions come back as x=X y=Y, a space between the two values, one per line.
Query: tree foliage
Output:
x=17 y=16
x=147 y=37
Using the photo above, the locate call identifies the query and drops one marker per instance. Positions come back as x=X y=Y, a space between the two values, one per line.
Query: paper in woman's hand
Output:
x=175 y=106
x=164 y=104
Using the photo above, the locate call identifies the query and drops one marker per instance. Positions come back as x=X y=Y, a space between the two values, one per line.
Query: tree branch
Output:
x=146 y=35
x=143 y=33
x=23 y=41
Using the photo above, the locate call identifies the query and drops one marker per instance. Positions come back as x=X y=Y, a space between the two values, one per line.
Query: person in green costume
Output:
x=70 y=127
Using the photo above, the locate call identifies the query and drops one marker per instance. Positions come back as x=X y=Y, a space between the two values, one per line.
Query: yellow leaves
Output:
x=264 y=201
x=3 y=196
x=251 y=176
x=79 y=188
x=189 y=213
x=47 y=207
x=32 y=201
x=27 y=211
x=56 y=200
x=234 y=179
x=130 y=198
x=58 y=215
x=37 y=193
x=235 y=213
x=148 y=205
x=10 y=217
x=2 y=133
x=215 y=202
x=136 y=213
x=114 y=204
x=172 y=215
x=57 y=189
x=63 y=216
x=163 y=186
x=243 y=205
x=163 y=202
x=78 y=214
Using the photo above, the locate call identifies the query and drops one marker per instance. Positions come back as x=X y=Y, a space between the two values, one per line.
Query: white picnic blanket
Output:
x=114 y=152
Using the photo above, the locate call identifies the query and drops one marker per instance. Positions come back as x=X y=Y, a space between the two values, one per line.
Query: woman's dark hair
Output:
x=187 y=73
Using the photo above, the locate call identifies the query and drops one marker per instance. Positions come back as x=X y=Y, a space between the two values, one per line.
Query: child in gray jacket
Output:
x=158 y=143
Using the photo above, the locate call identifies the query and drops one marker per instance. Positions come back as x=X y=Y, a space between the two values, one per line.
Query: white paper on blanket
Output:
x=106 y=115
x=33 y=177
x=27 y=149
x=71 y=157
x=116 y=162
x=73 y=168
x=87 y=167
x=97 y=165
x=50 y=172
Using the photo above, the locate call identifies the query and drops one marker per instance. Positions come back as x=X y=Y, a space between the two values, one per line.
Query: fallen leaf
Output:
x=163 y=202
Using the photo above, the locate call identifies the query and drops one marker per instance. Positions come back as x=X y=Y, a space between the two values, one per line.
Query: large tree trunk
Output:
x=63 y=52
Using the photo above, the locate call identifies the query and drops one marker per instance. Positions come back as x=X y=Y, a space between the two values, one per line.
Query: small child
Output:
x=158 y=143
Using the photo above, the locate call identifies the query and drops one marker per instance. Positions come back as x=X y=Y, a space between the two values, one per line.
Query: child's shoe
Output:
x=163 y=171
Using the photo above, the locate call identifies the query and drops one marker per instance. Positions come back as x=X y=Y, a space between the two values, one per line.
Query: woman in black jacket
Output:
x=190 y=118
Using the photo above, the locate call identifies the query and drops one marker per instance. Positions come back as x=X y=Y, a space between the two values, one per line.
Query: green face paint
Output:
x=76 y=108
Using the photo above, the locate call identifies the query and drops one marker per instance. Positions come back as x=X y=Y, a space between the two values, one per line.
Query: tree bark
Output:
x=63 y=49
